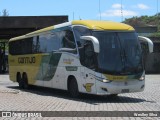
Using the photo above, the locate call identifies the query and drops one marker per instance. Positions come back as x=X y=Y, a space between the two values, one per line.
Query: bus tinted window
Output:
x=26 y=46
x=11 y=48
x=39 y=44
x=21 y=47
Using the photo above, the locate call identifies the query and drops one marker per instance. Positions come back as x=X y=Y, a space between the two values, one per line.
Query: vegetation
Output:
x=143 y=21
x=6 y=44
x=5 y=12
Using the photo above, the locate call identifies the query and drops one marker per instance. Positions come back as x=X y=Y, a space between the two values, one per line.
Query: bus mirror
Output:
x=94 y=40
x=149 y=42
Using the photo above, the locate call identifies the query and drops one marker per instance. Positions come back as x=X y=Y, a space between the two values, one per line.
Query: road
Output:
x=43 y=99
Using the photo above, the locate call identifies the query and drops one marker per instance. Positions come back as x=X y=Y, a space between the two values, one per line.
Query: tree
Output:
x=5 y=12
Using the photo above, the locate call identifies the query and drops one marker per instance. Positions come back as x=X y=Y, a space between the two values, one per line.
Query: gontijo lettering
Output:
x=26 y=60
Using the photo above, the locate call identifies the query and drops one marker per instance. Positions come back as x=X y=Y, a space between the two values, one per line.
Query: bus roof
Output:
x=91 y=24
x=103 y=25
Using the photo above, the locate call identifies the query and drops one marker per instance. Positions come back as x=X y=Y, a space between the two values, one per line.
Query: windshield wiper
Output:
x=125 y=55
x=121 y=53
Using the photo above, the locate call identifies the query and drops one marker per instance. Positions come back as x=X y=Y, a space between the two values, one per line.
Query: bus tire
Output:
x=73 y=87
x=113 y=95
x=25 y=81
x=19 y=80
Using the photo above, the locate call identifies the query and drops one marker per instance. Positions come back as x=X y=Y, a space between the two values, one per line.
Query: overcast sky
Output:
x=82 y=9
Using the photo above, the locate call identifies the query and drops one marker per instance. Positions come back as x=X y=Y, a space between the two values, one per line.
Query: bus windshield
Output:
x=120 y=53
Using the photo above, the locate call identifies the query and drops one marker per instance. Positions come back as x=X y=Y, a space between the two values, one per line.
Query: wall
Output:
x=152 y=63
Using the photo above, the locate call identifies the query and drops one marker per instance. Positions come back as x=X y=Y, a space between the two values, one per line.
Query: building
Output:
x=12 y=26
x=151 y=61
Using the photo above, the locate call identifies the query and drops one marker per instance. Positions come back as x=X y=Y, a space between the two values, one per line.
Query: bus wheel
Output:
x=73 y=88
x=25 y=81
x=113 y=95
x=19 y=80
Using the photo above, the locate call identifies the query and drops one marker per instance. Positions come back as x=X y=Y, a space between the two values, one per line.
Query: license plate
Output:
x=125 y=90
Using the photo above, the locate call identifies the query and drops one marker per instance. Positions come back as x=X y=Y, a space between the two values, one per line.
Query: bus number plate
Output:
x=125 y=90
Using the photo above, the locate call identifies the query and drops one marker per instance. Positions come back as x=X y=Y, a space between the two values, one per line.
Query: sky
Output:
x=114 y=10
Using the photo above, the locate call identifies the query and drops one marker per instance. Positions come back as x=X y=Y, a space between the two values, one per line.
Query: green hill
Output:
x=144 y=21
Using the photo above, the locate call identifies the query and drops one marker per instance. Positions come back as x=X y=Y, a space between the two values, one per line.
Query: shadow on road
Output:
x=91 y=99
x=6 y=73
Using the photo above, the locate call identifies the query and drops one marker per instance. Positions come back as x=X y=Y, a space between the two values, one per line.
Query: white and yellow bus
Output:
x=83 y=56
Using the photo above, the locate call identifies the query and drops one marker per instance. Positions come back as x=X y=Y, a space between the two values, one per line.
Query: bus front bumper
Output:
x=117 y=87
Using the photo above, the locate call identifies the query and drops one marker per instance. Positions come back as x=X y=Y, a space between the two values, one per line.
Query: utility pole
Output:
x=100 y=9
x=73 y=15
x=121 y=11
x=157 y=7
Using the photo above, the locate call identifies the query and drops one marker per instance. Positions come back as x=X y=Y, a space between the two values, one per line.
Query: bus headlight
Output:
x=103 y=80
x=142 y=78
x=106 y=81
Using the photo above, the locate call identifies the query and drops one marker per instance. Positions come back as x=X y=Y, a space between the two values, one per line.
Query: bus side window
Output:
x=26 y=45
x=68 y=41
x=53 y=43
x=43 y=44
x=46 y=43
x=36 y=45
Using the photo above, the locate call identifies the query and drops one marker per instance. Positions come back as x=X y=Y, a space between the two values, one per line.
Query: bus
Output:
x=81 y=56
